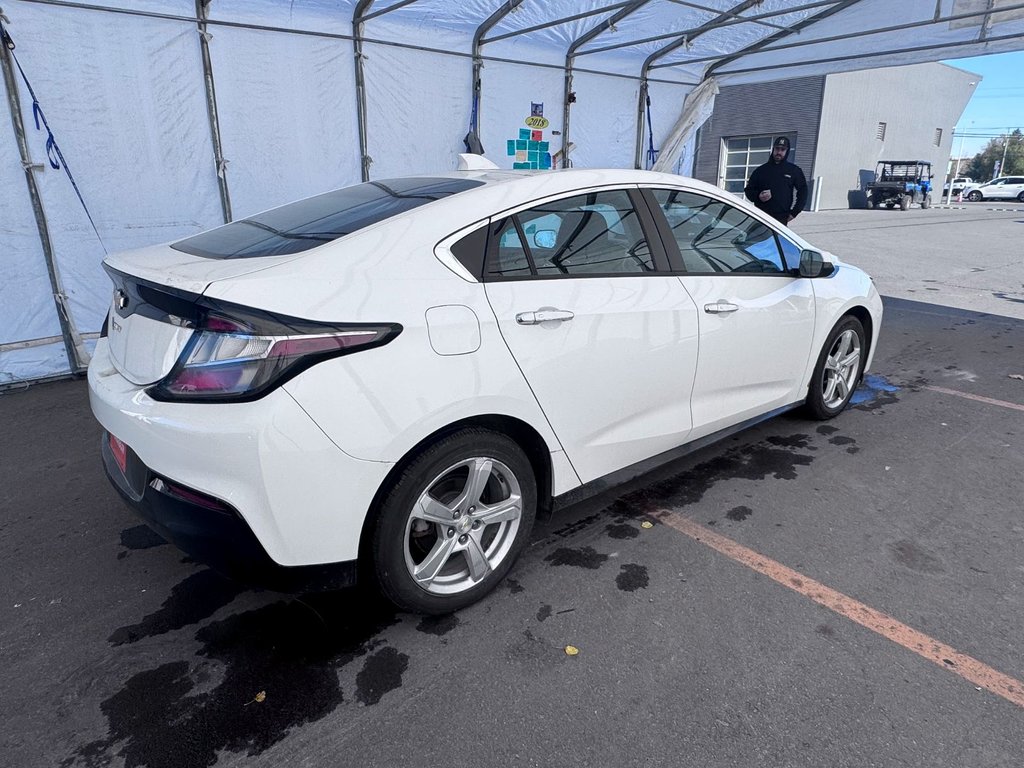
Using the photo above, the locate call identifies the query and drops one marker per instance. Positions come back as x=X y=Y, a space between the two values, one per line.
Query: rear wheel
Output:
x=926 y=202
x=454 y=523
x=1020 y=197
x=838 y=370
x=974 y=196
x=904 y=202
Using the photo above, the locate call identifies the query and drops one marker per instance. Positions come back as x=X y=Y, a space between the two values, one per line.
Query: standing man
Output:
x=772 y=185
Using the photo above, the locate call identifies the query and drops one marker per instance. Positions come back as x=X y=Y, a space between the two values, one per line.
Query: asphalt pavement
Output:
x=848 y=593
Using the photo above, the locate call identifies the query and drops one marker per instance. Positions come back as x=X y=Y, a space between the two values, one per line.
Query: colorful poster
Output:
x=529 y=151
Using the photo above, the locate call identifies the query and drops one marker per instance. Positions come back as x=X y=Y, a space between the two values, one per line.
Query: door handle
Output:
x=720 y=308
x=543 y=315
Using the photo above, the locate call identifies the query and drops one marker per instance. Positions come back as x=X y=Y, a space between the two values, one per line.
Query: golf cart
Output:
x=901 y=182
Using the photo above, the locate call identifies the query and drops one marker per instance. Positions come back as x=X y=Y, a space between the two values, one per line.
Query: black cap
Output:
x=782 y=141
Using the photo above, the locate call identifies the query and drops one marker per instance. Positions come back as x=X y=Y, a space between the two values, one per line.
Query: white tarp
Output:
x=124 y=88
x=287 y=131
x=421 y=130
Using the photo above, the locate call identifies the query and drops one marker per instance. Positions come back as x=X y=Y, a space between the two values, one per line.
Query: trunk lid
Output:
x=153 y=305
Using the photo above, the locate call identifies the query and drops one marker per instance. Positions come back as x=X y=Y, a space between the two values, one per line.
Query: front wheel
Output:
x=838 y=370
x=974 y=196
x=455 y=521
x=904 y=203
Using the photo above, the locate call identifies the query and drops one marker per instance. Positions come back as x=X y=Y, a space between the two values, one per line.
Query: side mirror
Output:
x=545 y=238
x=813 y=264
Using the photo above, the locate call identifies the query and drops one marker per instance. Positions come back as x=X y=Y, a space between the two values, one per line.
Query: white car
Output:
x=1005 y=187
x=958 y=184
x=401 y=373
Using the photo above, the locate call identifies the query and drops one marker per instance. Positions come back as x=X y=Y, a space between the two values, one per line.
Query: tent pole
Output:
x=357 y=43
x=478 y=63
x=202 y=13
x=567 y=98
x=641 y=120
x=78 y=359
x=570 y=58
x=724 y=18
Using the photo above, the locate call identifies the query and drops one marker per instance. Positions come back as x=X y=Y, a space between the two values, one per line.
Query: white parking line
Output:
x=978 y=398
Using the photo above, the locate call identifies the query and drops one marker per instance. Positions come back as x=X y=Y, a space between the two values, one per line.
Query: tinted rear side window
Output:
x=305 y=224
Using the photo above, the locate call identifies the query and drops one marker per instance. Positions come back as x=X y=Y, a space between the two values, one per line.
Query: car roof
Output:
x=532 y=184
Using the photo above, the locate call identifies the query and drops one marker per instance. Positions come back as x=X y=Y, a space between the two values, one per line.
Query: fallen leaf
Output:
x=572 y=650
x=1018 y=376
x=259 y=698
x=646 y=524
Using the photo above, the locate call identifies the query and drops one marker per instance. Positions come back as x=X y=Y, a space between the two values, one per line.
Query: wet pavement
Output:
x=116 y=650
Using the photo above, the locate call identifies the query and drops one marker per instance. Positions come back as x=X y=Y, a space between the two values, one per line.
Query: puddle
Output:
x=874 y=392
x=632 y=577
x=256 y=677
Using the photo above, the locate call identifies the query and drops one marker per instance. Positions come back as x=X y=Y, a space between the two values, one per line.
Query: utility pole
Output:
x=959 y=156
x=1002 y=163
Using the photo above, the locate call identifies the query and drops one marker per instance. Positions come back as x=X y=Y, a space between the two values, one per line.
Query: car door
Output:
x=1014 y=186
x=756 y=316
x=603 y=334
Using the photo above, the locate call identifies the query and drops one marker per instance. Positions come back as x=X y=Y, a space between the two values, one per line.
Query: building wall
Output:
x=792 y=107
x=913 y=101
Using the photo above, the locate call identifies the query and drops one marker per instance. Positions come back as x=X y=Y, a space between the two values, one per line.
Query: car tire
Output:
x=904 y=203
x=926 y=203
x=838 y=370
x=433 y=549
x=1020 y=197
x=974 y=196
x=870 y=204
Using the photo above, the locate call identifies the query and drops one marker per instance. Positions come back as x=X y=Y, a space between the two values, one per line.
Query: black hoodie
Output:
x=782 y=179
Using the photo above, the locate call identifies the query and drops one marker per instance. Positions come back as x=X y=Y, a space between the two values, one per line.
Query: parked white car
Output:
x=958 y=184
x=400 y=373
x=1004 y=187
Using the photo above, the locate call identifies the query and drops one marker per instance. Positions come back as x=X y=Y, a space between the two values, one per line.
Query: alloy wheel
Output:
x=463 y=526
x=841 y=369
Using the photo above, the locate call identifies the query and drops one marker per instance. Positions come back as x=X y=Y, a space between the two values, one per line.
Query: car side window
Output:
x=790 y=252
x=598 y=233
x=510 y=258
x=716 y=237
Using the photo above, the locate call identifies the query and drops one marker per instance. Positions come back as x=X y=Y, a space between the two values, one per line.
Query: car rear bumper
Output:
x=211 y=531
x=285 y=484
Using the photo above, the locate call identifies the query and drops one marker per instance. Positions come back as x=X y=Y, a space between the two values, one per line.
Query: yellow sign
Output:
x=537 y=122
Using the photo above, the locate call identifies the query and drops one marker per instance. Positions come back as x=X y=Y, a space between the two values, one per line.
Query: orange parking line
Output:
x=927 y=647
x=978 y=398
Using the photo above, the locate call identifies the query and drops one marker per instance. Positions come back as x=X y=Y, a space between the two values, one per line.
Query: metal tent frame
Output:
x=766 y=42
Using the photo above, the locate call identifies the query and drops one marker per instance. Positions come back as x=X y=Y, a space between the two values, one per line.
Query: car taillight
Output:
x=230 y=359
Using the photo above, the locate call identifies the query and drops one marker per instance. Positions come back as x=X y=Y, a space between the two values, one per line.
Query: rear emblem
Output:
x=120 y=299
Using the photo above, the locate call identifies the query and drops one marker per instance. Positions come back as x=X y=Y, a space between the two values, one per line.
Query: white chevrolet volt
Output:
x=399 y=374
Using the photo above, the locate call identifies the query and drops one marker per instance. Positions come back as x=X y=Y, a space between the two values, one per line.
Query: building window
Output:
x=880 y=135
x=938 y=137
x=740 y=156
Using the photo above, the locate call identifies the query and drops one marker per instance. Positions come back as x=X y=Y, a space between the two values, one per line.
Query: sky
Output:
x=997 y=106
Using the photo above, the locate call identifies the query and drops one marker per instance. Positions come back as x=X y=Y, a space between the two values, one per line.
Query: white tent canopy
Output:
x=177 y=115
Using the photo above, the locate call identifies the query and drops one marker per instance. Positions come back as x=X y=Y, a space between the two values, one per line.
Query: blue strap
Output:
x=53 y=153
x=652 y=153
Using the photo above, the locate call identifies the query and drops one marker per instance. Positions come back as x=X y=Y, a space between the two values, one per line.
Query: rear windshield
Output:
x=305 y=224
